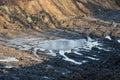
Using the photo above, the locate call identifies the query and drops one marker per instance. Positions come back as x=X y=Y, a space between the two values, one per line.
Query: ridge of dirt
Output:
x=44 y=15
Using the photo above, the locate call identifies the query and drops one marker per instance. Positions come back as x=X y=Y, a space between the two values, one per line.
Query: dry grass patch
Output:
x=25 y=59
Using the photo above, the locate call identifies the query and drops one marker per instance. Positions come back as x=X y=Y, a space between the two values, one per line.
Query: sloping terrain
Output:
x=61 y=9
x=52 y=14
x=59 y=39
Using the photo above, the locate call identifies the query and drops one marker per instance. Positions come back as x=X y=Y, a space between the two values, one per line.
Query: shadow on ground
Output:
x=104 y=13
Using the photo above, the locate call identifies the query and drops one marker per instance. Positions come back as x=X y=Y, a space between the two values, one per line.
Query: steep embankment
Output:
x=66 y=8
x=45 y=14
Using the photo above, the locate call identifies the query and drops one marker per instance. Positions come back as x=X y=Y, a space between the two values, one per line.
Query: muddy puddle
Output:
x=67 y=57
x=66 y=49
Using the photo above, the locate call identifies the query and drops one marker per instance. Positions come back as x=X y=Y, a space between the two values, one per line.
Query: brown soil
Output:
x=87 y=16
x=52 y=19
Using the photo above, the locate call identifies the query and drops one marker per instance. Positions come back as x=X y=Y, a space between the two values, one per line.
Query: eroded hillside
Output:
x=52 y=14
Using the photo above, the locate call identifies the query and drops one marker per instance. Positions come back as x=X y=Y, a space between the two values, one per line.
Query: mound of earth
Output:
x=86 y=16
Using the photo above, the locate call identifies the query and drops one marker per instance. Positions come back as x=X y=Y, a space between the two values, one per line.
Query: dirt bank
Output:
x=87 y=16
